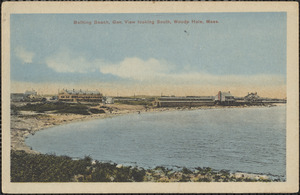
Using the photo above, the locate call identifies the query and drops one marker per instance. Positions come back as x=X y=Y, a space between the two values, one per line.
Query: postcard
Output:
x=150 y=97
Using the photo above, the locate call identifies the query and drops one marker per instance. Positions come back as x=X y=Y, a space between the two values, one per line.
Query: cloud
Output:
x=137 y=69
x=154 y=71
x=160 y=71
x=23 y=55
x=65 y=61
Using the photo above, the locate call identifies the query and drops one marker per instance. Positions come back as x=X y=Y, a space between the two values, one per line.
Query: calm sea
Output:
x=237 y=139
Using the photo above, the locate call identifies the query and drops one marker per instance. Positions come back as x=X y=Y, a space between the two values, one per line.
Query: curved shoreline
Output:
x=27 y=122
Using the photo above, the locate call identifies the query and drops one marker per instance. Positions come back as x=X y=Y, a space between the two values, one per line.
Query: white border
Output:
x=291 y=185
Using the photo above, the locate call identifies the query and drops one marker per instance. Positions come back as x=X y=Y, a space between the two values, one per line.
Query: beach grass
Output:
x=27 y=167
x=56 y=107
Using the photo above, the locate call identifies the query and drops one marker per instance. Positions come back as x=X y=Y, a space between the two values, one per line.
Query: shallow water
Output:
x=236 y=139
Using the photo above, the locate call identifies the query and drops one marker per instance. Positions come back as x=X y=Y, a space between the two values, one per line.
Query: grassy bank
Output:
x=51 y=168
x=58 y=107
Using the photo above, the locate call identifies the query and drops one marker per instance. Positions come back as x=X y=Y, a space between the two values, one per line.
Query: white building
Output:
x=30 y=93
x=224 y=97
x=108 y=100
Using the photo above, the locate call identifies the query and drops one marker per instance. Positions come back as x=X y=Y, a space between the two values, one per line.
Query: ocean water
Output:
x=250 y=140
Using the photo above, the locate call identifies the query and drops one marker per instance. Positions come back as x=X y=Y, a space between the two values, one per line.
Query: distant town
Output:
x=73 y=95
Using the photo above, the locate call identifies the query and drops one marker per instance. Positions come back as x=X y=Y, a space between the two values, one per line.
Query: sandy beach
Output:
x=28 y=122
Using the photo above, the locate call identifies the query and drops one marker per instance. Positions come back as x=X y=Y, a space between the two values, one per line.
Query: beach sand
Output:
x=27 y=122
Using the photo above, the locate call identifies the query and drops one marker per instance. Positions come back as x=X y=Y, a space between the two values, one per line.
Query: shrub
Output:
x=44 y=168
x=186 y=171
x=96 y=111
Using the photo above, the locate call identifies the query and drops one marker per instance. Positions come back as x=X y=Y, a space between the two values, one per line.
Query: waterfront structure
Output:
x=189 y=101
x=252 y=97
x=79 y=96
x=224 y=97
x=273 y=100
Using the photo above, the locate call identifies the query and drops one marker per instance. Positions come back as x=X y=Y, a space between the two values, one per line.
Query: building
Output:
x=108 y=100
x=79 y=96
x=27 y=96
x=32 y=93
x=188 y=101
x=17 y=97
x=252 y=97
x=224 y=97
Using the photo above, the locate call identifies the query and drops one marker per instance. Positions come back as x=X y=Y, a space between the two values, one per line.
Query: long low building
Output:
x=79 y=96
x=189 y=101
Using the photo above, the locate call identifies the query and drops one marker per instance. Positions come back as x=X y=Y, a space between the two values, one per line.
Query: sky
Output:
x=242 y=52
